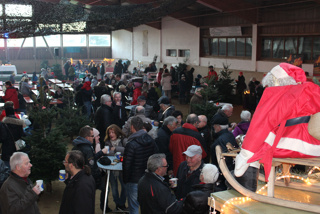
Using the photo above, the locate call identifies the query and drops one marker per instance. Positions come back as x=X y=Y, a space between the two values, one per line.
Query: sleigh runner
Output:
x=270 y=199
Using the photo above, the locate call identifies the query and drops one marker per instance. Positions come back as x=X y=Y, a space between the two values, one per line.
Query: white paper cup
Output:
x=62 y=175
x=174 y=182
x=40 y=183
x=107 y=147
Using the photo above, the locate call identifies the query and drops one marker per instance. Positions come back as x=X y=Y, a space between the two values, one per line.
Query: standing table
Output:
x=109 y=168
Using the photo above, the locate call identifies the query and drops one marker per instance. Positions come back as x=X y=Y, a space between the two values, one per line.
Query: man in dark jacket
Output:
x=163 y=140
x=86 y=94
x=139 y=148
x=223 y=137
x=154 y=195
x=149 y=112
x=84 y=143
x=166 y=109
x=17 y=194
x=189 y=171
x=11 y=130
x=79 y=194
x=205 y=132
x=224 y=113
x=120 y=114
x=104 y=117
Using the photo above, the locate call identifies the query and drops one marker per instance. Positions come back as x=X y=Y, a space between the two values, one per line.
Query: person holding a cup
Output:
x=79 y=194
x=17 y=194
x=116 y=140
x=84 y=143
x=154 y=194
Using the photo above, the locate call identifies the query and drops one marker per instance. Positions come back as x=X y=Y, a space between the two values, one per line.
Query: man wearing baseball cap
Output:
x=189 y=171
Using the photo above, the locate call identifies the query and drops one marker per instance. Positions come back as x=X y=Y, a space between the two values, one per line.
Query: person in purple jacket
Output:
x=243 y=126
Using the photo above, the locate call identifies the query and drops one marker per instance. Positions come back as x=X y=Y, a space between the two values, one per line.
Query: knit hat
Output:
x=284 y=70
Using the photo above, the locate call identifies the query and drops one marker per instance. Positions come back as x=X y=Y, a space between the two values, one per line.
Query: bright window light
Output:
x=16 y=43
x=18 y=10
x=75 y=40
x=99 y=40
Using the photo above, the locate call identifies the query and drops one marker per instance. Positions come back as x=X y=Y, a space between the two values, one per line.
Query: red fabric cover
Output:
x=277 y=105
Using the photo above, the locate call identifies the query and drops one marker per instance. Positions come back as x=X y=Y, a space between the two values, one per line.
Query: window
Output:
x=18 y=42
x=227 y=47
x=74 y=40
x=53 y=40
x=18 y=10
x=99 y=40
x=171 y=52
x=184 y=53
x=282 y=47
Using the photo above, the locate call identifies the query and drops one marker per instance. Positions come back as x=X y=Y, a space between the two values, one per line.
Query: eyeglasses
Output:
x=166 y=166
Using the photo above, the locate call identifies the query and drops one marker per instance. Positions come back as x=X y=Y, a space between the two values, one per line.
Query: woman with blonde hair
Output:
x=116 y=141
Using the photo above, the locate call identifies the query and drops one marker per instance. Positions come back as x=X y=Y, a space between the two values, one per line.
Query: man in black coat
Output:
x=79 y=194
x=139 y=148
x=119 y=111
x=84 y=143
x=149 y=112
x=154 y=195
x=166 y=109
x=11 y=130
x=104 y=117
x=204 y=130
x=163 y=140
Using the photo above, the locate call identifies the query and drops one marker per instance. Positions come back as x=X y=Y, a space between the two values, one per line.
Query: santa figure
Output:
x=279 y=127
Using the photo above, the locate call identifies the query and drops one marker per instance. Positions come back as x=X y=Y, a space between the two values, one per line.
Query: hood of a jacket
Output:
x=14 y=121
x=80 y=140
x=141 y=137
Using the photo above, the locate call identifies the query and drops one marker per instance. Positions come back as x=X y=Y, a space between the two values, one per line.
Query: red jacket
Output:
x=181 y=139
x=3 y=115
x=136 y=94
x=12 y=95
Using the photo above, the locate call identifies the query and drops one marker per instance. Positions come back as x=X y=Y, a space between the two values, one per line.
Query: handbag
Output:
x=19 y=144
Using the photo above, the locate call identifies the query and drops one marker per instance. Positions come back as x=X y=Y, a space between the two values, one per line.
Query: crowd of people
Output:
x=155 y=141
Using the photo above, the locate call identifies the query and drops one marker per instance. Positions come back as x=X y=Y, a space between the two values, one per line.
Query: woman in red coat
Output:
x=11 y=95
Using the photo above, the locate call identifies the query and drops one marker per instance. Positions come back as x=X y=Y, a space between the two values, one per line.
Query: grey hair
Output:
x=140 y=110
x=169 y=120
x=210 y=173
x=105 y=98
x=245 y=115
x=115 y=93
x=155 y=161
x=192 y=119
x=16 y=159
x=204 y=117
x=227 y=107
x=271 y=80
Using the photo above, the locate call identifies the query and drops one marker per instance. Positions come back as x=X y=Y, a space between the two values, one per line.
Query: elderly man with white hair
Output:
x=17 y=194
x=225 y=112
x=243 y=126
x=197 y=200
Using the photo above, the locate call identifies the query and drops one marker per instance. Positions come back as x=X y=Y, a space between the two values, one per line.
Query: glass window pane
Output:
x=278 y=48
x=266 y=47
x=222 y=47
x=241 y=46
x=53 y=40
x=205 y=46
x=305 y=47
x=18 y=10
x=40 y=42
x=214 y=47
x=231 y=46
x=248 y=47
x=290 y=46
x=74 y=40
x=316 y=48
x=18 y=42
x=99 y=40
